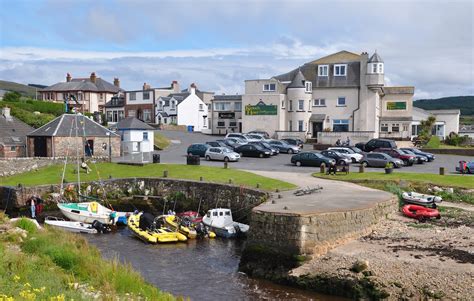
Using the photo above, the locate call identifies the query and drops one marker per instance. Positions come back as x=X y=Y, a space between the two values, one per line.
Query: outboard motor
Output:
x=100 y=227
x=238 y=232
x=146 y=221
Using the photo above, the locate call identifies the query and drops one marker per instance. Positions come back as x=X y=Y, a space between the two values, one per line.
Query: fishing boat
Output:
x=151 y=235
x=176 y=223
x=421 y=199
x=76 y=227
x=87 y=212
x=220 y=221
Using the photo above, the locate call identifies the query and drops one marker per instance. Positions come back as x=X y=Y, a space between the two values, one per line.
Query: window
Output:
x=227 y=213
x=323 y=70
x=145 y=136
x=131 y=113
x=13 y=148
x=160 y=105
x=380 y=65
x=222 y=106
x=101 y=96
x=300 y=126
x=405 y=127
x=233 y=124
x=269 y=87
x=320 y=102
x=290 y=125
x=147 y=115
x=300 y=105
x=146 y=95
x=340 y=125
x=291 y=105
x=309 y=105
x=133 y=96
x=109 y=116
x=308 y=87
x=396 y=127
x=214 y=213
x=121 y=115
x=341 y=101
x=340 y=70
x=282 y=104
x=221 y=124
x=173 y=105
x=238 y=106
x=384 y=127
x=165 y=120
x=201 y=107
x=374 y=68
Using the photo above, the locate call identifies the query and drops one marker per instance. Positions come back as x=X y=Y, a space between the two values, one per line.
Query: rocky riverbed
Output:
x=403 y=259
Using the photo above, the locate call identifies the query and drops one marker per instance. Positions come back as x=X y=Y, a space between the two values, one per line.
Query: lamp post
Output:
x=110 y=147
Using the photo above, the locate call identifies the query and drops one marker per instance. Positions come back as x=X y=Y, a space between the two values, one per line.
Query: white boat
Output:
x=220 y=221
x=76 y=227
x=88 y=212
x=421 y=199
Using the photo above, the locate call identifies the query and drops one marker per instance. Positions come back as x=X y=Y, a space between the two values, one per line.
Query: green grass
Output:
x=434 y=142
x=47 y=263
x=446 y=180
x=26 y=224
x=161 y=141
x=52 y=175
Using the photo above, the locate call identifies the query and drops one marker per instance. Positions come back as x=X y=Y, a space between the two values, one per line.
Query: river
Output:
x=200 y=269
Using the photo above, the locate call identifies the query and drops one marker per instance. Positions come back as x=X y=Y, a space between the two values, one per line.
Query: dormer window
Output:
x=340 y=70
x=308 y=87
x=377 y=68
x=269 y=87
x=323 y=70
x=173 y=105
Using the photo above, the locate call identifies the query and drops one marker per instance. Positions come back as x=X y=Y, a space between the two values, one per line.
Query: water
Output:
x=200 y=269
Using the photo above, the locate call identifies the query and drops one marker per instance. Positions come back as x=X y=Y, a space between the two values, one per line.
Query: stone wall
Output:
x=314 y=234
x=65 y=145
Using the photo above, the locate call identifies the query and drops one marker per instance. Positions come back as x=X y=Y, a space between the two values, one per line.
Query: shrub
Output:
x=434 y=142
x=27 y=225
x=11 y=96
x=456 y=140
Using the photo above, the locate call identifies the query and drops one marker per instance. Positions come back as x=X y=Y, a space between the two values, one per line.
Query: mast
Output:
x=77 y=159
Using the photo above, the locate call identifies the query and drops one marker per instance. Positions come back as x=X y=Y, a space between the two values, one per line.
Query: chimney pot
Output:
x=68 y=77
x=146 y=86
x=116 y=82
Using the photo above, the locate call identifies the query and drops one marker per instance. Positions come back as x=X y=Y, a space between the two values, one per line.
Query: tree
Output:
x=12 y=96
x=426 y=128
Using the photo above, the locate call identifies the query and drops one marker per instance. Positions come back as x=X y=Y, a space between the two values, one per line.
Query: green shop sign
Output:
x=396 y=105
x=261 y=109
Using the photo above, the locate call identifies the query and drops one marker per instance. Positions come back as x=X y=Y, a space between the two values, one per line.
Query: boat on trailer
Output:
x=76 y=227
x=220 y=221
x=421 y=199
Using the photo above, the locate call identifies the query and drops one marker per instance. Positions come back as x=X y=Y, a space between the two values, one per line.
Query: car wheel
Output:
x=298 y=163
x=290 y=151
x=353 y=160
x=241 y=154
x=208 y=158
x=226 y=159
x=260 y=155
x=365 y=164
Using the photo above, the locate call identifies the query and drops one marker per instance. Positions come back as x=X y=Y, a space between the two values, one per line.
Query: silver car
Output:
x=221 y=154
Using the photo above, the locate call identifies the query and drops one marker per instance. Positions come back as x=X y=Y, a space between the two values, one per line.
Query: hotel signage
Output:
x=261 y=109
x=226 y=115
x=396 y=105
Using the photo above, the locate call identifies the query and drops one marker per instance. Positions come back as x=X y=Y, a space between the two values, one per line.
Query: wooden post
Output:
x=226 y=165
x=230 y=181
x=165 y=173
x=323 y=168
x=277 y=190
x=258 y=185
x=361 y=168
x=441 y=171
x=201 y=179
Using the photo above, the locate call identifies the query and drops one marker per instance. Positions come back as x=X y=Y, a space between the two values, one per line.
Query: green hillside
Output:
x=24 y=90
x=464 y=103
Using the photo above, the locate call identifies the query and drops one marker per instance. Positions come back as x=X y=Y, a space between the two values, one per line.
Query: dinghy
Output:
x=176 y=223
x=76 y=227
x=421 y=199
x=87 y=212
x=145 y=228
x=220 y=221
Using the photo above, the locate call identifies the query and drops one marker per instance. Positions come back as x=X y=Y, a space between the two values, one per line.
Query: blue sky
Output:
x=219 y=44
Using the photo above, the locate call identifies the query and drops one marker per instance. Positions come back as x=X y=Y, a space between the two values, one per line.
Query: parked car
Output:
x=261 y=133
x=418 y=158
x=197 y=149
x=236 y=135
x=341 y=159
x=465 y=167
x=407 y=159
x=294 y=141
x=311 y=159
x=429 y=156
x=284 y=147
x=217 y=143
x=221 y=154
x=380 y=160
x=229 y=143
x=355 y=157
x=254 y=137
x=356 y=149
x=274 y=150
x=251 y=150
x=376 y=143
x=236 y=141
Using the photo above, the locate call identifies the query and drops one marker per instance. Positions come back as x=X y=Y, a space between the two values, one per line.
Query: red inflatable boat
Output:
x=420 y=212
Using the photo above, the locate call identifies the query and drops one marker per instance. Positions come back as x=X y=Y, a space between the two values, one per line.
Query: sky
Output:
x=220 y=44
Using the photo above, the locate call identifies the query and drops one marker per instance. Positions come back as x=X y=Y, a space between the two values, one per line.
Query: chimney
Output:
x=93 y=77
x=6 y=113
x=68 y=77
x=175 y=86
x=116 y=82
x=146 y=86
x=193 y=88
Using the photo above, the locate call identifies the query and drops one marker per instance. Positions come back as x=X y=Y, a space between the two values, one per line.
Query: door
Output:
x=89 y=148
x=40 y=147
x=317 y=127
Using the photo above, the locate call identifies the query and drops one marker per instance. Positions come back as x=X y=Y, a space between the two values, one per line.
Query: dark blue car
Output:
x=197 y=149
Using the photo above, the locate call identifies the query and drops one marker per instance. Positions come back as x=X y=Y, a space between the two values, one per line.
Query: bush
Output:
x=12 y=96
x=434 y=142
x=456 y=140
x=27 y=225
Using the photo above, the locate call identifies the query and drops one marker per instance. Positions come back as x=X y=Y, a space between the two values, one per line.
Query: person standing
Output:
x=33 y=207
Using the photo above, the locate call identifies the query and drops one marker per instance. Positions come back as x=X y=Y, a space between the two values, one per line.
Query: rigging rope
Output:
x=61 y=190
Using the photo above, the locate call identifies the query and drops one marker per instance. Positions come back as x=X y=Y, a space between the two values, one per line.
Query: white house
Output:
x=136 y=136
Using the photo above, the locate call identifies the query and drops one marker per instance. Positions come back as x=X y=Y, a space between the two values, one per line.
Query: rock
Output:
x=437 y=189
x=449 y=190
x=359 y=266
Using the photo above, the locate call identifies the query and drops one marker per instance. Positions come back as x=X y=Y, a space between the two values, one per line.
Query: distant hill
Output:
x=464 y=103
x=24 y=90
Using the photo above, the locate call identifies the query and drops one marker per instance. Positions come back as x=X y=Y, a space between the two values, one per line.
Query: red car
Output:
x=407 y=159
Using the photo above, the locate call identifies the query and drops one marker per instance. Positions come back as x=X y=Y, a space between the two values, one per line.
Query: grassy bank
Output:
x=52 y=175
x=161 y=141
x=54 y=265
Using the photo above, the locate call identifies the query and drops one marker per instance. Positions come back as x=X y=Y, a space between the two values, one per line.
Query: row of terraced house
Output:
x=338 y=96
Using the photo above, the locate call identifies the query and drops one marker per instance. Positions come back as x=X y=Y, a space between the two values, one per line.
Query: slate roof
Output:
x=399 y=90
x=227 y=97
x=163 y=114
x=84 y=84
x=115 y=102
x=343 y=56
x=375 y=58
x=66 y=125
x=132 y=123
x=298 y=80
x=13 y=131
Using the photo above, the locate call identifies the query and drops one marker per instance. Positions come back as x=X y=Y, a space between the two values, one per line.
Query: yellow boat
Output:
x=173 y=222
x=160 y=235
